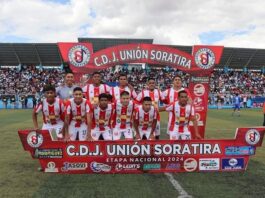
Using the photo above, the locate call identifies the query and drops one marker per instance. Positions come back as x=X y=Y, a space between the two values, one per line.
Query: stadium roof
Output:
x=47 y=54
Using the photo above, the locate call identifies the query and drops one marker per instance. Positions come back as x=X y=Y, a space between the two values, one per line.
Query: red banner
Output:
x=81 y=56
x=77 y=55
x=199 y=89
x=143 y=156
x=199 y=64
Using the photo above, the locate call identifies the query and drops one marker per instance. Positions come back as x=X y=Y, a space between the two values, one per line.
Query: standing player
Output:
x=52 y=109
x=236 y=102
x=171 y=95
x=156 y=97
x=75 y=117
x=99 y=119
x=181 y=114
x=65 y=91
x=92 y=91
x=145 y=120
x=123 y=86
x=122 y=117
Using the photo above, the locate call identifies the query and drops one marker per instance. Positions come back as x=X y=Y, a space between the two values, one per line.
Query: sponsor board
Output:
x=48 y=153
x=74 y=166
x=233 y=164
x=173 y=166
x=51 y=168
x=99 y=167
x=151 y=166
x=208 y=164
x=127 y=167
x=190 y=164
x=239 y=150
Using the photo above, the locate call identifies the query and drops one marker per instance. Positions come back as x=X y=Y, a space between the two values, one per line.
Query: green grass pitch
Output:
x=19 y=176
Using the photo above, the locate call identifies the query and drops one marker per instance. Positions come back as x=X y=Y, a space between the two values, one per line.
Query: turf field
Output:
x=19 y=176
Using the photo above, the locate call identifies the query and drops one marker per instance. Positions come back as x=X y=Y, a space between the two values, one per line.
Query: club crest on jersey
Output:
x=79 y=55
x=204 y=58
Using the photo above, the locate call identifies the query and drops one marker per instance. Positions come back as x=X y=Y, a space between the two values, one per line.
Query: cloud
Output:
x=237 y=23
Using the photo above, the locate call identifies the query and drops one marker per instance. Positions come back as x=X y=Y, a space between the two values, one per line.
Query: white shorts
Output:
x=81 y=131
x=117 y=133
x=55 y=127
x=174 y=135
x=147 y=133
x=95 y=133
x=157 y=130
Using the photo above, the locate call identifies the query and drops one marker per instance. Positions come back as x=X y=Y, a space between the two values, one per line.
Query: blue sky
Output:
x=215 y=22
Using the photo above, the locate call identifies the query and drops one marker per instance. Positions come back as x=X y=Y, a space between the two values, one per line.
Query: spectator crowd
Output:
x=29 y=81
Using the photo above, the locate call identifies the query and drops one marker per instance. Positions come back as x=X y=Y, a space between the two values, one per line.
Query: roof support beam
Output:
x=38 y=55
x=252 y=56
x=18 y=59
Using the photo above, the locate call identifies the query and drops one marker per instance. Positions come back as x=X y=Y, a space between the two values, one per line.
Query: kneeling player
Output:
x=145 y=120
x=122 y=117
x=53 y=112
x=99 y=119
x=182 y=114
x=76 y=115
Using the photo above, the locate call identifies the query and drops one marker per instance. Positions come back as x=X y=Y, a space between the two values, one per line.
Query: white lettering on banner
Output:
x=82 y=150
x=145 y=150
x=133 y=54
x=167 y=57
x=138 y=54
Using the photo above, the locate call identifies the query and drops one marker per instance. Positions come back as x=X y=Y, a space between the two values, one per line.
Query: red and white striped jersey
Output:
x=145 y=119
x=123 y=115
x=116 y=92
x=100 y=118
x=155 y=95
x=77 y=112
x=91 y=92
x=180 y=117
x=52 y=114
x=171 y=95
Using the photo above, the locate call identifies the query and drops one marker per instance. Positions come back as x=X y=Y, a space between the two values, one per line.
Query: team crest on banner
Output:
x=34 y=140
x=79 y=55
x=205 y=58
x=252 y=137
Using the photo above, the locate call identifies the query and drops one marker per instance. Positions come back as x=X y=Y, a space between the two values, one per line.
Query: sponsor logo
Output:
x=198 y=116
x=239 y=150
x=173 y=166
x=74 y=166
x=197 y=101
x=48 y=153
x=208 y=164
x=199 y=108
x=190 y=164
x=233 y=164
x=200 y=79
x=120 y=167
x=98 y=167
x=205 y=58
x=51 y=168
x=151 y=166
x=252 y=136
x=34 y=139
x=79 y=55
x=199 y=89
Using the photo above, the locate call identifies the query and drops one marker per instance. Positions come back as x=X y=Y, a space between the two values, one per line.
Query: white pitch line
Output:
x=177 y=186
